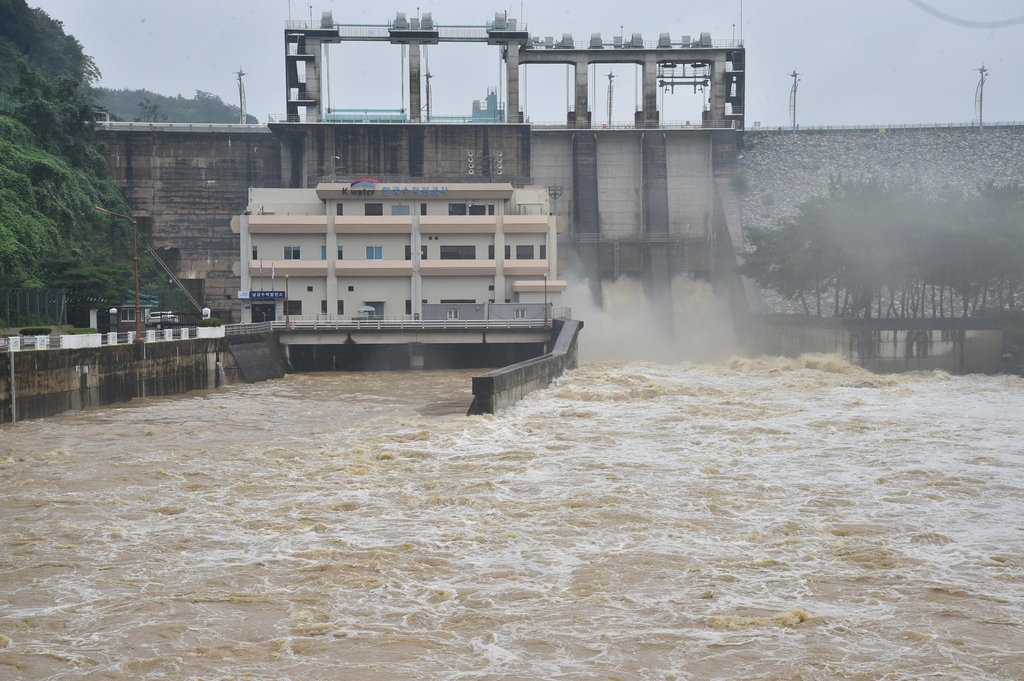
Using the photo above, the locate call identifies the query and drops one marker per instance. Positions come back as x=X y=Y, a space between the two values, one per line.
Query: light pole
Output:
x=135 y=251
x=545 y=301
x=287 y=316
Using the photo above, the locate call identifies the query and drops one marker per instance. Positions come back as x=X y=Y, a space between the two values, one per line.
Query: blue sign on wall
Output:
x=260 y=295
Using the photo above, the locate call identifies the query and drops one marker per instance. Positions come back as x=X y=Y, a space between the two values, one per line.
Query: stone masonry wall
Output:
x=782 y=169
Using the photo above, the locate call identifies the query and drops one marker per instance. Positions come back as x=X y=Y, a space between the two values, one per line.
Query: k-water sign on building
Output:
x=368 y=186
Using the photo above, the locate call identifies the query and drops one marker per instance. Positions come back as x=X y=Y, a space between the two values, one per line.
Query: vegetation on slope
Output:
x=143 y=105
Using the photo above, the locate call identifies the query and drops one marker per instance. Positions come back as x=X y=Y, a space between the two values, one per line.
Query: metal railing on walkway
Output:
x=371 y=324
x=97 y=340
x=183 y=127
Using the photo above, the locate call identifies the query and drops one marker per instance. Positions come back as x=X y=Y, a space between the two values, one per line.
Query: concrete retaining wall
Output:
x=256 y=358
x=49 y=382
x=502 y=388
x=883 y=345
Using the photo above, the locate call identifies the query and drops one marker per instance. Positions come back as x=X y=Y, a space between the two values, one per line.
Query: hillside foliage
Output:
x=143 y=105
x=30 y=33
x=51 y=179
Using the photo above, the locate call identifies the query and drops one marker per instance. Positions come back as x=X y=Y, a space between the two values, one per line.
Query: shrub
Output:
x=212 y=321
x=36 y=331
x=80 y=332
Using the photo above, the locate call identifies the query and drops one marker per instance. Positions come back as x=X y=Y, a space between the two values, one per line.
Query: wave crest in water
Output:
x=751 y=518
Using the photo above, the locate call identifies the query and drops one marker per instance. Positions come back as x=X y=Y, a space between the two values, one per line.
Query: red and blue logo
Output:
x=365 y=183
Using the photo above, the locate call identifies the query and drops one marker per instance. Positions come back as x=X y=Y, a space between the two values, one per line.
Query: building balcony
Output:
x=382 y=224
x=457 y=268
x=287 y=224
x=373 y=268
x=293 y=268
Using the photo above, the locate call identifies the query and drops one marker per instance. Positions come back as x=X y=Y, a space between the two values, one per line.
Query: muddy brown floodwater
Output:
x=756 y=519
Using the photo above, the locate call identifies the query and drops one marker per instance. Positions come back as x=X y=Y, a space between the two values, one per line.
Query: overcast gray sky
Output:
x=863 y=61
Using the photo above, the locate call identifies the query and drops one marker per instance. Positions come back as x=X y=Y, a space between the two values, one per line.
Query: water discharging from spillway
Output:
x=770 y=519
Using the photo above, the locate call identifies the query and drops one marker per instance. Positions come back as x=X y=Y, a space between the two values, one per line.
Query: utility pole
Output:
x=792 y=98
x=611 y=86
x=241 y=96
x=979 y=98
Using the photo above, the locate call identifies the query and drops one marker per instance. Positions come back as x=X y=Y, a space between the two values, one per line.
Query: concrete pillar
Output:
x=650 y=91
x=718 y=90
x=332 y=259
x=499 y=254
x=582 y=118
x=245 y=239
x=414 y=82
x=552 y=247
x=313 y=85
x=512 y=114
x=415 y=246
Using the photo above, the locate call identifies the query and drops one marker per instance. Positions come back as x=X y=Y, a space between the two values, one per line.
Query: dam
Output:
x=646 y=198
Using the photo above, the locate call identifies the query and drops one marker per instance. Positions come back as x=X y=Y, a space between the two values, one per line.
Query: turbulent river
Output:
x=756 y=519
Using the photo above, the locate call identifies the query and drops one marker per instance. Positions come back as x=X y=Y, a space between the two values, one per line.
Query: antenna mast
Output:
x=979 y=96
x=241 y=96
x=430 y=96
x=611 y=87
x=792 y=98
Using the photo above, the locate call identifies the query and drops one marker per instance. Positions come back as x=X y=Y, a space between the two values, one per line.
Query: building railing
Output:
x=544 y=125
x=183 y=127
x=630 y=125
x=626 y=45
x=331 y=323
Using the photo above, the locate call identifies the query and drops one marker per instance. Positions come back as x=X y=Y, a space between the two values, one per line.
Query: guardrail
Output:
x=96 y=340
x=629 y=125
x=545 y=125
x=183 y=127
x=384 y=325
x=883 y=128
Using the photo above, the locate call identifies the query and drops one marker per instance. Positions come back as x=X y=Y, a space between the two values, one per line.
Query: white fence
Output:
x=96 y=340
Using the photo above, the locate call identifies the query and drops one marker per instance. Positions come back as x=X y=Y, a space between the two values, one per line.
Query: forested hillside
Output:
x=51 y=177
x=143 y=105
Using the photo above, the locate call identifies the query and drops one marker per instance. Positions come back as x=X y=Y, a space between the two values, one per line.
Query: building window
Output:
x=374 y=252
x=127 y=314
x=458 y=252
x=543 y=252
x=524 y=252
x=293 y=307
x=490 y=252
x=351 y=288
x=423 y=252
x=508 y=252
x=291 y=253
x=456 y=209
x=254 y=256
x=408 y=307
x=490 y=287
x=323 y=307
x=323 y=252
x=400 y=209
x=519 y=313
x=374 y=209
x=490 y=209
x=341 y=307
x=478 y=209
x=309 y=289
x=341 y=210
x=341 y=253
x=453 y=313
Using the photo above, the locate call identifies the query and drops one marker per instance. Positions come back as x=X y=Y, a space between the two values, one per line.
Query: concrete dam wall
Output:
x=782 y=169
x=184 y=185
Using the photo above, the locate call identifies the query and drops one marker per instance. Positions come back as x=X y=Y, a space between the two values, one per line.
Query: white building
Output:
x=365 y=248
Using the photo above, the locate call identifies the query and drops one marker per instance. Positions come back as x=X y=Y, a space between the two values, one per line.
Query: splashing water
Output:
x=755 y=518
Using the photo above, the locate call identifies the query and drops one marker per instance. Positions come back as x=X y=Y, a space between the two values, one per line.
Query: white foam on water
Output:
x=764 y=518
